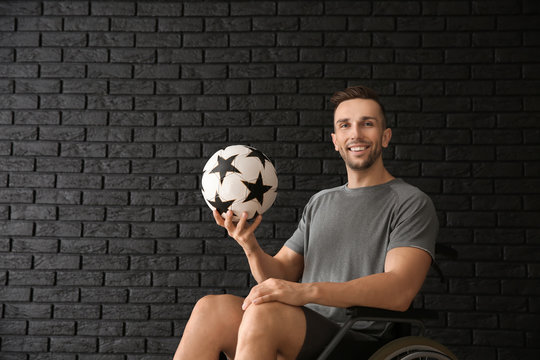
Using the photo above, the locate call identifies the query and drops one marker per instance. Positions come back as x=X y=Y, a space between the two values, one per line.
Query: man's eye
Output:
x=368 y=123
x=342 y=126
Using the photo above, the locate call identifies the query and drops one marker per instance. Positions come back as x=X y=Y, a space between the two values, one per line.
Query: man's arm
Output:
x=286 y=264
x=394 y=289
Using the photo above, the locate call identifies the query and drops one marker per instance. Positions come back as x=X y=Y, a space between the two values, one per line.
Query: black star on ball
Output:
x=224 y=166
x=256 y=190
x=259 y=155
x=220 y=205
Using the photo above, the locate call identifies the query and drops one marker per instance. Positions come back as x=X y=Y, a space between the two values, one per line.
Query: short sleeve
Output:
x=297 y=241
x=416 y=225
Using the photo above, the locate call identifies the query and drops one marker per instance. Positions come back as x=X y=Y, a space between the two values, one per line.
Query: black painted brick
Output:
x=107 y=121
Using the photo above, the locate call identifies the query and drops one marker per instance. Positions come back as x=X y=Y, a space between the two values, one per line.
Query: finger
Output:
x=253 y=293
x=262 y=299
x=217 y=216
x=228 y=221
x=256 y=223
x=242 y=223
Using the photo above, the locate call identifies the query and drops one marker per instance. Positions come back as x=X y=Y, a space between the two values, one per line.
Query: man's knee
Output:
x=270 y=316
x=218 y=305
x=278 y=325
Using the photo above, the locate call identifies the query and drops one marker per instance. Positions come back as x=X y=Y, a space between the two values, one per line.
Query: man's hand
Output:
x=242 y=232
x=284 y=291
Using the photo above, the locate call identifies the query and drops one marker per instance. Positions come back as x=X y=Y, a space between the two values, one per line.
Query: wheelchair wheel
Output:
x=412 y=348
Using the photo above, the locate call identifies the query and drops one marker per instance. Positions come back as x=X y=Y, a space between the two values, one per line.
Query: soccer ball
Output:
x=239 y=178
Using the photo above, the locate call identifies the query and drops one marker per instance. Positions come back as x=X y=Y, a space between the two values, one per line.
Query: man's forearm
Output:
x=262 y=265
x=383 y=290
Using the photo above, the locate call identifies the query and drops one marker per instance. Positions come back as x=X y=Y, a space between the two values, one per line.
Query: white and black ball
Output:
x=239 y=178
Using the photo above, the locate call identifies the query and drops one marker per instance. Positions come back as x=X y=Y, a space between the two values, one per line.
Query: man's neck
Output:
x=375 y=175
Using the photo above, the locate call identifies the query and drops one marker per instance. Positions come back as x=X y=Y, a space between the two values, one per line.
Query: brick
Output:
x=184 y=246
x=63 y=133
x=22 y=245
x=19 y=39
x=38 y=86
x=62 y=102
x=105 y=295
x=473 y=320
x=84 y=87
x=58 y=228
x=56 y=295
x=97 y=71
x=79 y=278
x=299 y=8
x=278 y=55
x=33 y=212
x=171 y=87
x=84 y=118
x=395 y=72
x=446 y=8
x=104 y=102
x=223 y=279
x=71 y=39
x=177 y=150
x=38 y=55
x=50 y=327
x=73 y=344
x=153 y=262
x=154 y=166
x=99 y=328
x=498 y=202
x=18 y=133
x=297 y=39
x=58 y=197
x=81 y=214
x=498 y=72
x=13 y=327
x=121 y=182
x=73 y=181
x=125 y=312
x=105 y=230
x=15 y=261
x=15 y=195
x=26 y=344
x=27 y=311
x=86 y=24
x=157 y=295
x=80 y=55
x=18 y=102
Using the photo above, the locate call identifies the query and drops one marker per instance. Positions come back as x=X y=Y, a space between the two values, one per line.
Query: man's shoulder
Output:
x=326 y=195
x=406 y=193
x=327 y=192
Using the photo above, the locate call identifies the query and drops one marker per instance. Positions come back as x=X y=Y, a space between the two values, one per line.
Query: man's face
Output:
x=358 y=133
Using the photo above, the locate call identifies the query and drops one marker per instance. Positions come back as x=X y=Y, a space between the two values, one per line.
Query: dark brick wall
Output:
x=109 y=109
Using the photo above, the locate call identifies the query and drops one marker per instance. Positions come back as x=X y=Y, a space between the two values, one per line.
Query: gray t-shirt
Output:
x=345 y=233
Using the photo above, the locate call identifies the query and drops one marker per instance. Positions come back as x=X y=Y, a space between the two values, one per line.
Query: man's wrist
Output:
x=311 y=292
x=252 y=249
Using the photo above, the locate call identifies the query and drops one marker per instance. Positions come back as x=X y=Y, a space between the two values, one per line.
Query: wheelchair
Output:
x=402 y=348
x=406 y=346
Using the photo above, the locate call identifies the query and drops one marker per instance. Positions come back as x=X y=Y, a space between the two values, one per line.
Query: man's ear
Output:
x=387 y=135
x=334 y=141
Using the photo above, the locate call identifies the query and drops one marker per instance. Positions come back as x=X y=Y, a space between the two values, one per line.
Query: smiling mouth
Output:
x=357 y=148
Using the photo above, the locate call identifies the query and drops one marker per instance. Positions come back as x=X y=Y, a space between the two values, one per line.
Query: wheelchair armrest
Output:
x=369 y=312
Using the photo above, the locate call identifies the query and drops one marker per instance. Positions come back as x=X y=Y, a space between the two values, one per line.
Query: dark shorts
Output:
x=319 y=331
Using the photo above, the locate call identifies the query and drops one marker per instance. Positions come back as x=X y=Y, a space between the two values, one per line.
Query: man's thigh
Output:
x=320 y=331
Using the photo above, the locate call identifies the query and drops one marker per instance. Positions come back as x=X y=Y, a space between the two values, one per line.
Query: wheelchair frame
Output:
x=411 y=345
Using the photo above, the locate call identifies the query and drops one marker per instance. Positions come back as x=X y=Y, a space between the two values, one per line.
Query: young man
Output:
x=369 y=242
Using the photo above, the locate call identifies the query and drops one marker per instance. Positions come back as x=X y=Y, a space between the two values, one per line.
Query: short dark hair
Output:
x=357 y=92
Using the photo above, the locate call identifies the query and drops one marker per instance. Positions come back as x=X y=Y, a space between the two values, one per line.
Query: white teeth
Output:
x=358 y=148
